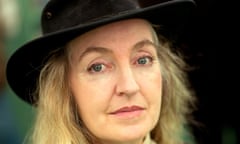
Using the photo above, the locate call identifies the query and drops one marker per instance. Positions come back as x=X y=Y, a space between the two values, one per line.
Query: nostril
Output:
x=121 y=94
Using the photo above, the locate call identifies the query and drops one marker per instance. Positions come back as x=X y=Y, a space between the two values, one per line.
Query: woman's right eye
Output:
x=96 y=68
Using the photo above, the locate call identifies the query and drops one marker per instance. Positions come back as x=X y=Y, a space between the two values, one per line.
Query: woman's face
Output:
x=116 y=80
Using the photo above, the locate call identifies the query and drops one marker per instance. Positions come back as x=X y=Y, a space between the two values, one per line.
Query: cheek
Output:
x=155 y=97
x=151 y=88
x=92 y=96
x=155 y=89
x=151 y=82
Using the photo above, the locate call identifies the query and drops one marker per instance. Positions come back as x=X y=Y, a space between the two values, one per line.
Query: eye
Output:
x=146 y=60
x=94 y=68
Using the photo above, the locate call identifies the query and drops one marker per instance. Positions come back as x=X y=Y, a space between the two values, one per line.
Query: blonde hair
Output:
x=58 y=122
x=178 y=98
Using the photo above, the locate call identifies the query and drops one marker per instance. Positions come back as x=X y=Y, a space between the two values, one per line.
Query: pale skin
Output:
x=115 y=78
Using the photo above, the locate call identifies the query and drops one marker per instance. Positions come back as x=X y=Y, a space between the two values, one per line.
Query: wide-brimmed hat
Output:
x=63 y=20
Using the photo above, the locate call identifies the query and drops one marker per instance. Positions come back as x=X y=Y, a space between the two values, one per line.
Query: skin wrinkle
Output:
x=97 y=91
x=131 y=80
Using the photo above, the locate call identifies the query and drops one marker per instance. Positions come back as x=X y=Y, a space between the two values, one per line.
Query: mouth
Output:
x=128 y=112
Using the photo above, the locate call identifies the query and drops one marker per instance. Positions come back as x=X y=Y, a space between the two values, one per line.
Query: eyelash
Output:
x=149 y=60
x=94 y=68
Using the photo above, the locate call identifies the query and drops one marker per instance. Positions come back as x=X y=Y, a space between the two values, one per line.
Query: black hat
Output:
x=64 y=20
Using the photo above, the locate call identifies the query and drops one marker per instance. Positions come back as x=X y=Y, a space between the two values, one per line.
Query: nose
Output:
x=127 y=84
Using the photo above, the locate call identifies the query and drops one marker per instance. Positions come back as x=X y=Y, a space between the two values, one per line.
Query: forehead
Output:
x=119 y=37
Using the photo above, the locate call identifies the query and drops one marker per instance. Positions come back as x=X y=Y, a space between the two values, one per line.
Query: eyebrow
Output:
x=104 y=50
x=142 y=43
x=96 y=49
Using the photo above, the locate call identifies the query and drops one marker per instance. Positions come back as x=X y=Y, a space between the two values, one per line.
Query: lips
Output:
x=127 y=109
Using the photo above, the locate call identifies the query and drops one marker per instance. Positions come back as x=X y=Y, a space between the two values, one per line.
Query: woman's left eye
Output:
x=146 y=60
x=95 y=68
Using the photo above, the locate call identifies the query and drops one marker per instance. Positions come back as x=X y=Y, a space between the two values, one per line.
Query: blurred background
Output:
x=212 y=30
x=19 y=22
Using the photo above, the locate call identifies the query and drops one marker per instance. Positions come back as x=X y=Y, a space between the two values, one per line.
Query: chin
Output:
x=133 y=134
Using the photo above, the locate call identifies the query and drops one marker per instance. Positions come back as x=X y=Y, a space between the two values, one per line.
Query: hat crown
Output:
x=62 y=14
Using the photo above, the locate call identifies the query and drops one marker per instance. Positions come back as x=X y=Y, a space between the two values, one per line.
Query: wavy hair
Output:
x=57 y=118
x=178 y=97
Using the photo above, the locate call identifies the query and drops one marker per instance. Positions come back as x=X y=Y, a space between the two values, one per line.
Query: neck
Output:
x=138 y=141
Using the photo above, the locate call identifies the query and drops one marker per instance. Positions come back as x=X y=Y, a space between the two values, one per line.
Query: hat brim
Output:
x=24 y=65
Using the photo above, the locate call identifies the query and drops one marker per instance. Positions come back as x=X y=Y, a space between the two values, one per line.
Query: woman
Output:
x=107 y=75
